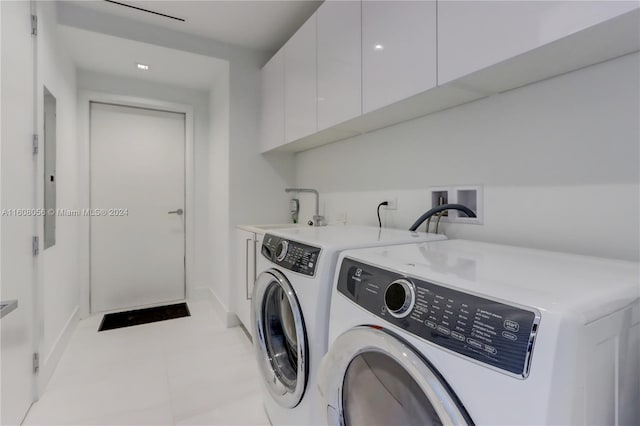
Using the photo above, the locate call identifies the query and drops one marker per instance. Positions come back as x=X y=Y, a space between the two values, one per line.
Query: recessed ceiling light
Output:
x=143 y=67
x=378 y=47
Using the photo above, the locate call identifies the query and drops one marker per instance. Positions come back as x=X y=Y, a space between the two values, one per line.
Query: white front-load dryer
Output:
x=461 y=332
x=290 y=308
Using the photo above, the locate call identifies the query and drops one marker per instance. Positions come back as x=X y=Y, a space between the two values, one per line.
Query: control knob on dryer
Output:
x=400 y=297
x=281 y=250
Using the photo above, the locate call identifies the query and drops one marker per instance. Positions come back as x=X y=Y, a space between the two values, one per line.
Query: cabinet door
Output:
x=339 y=62
x=398 y=51
x=300 y=82
x=473 y=35
x=245 y=273
x=272 y=111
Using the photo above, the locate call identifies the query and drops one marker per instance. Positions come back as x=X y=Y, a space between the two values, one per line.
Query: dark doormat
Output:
x=144 y=316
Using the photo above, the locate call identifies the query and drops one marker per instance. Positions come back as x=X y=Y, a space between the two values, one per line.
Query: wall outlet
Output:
x=393 y=204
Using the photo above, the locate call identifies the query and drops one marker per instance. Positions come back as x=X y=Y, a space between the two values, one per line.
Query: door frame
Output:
x=84 y=130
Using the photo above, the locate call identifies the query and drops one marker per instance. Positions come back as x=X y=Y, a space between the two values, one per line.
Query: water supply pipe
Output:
x=464 y=209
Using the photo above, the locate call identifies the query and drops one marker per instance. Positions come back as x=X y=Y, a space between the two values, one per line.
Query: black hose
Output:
x=443 y=207
x=384 y=203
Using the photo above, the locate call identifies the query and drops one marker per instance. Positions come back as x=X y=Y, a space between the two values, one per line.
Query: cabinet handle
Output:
x=246 y=268
x=256 y=252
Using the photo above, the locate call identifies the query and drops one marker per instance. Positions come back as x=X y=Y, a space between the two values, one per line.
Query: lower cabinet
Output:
x=248 y=245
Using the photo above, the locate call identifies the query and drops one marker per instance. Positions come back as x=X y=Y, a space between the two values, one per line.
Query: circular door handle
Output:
x=179 y=212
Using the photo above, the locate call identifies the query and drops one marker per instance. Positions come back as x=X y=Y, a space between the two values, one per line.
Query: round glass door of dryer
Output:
x=378 y=390
x=281 y=346
x=372 y=377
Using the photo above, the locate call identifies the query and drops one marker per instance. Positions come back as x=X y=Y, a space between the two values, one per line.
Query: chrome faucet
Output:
x=317 y=219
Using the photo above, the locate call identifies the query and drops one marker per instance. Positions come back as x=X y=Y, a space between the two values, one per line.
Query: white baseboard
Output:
x=49 y=363
x=230 y=319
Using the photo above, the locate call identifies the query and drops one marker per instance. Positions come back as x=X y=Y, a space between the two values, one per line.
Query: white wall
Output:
x=246 y=187
x=58 y=277
x=18 y=191
x=199 y=100
x=257 y=181
x=219 y=190
x=559 y=161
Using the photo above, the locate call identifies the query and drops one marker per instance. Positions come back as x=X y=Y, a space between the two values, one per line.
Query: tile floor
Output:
x=187 y=371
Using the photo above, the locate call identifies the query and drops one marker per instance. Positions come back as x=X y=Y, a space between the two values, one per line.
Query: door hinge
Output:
x=34 y=25
x=36 y=363
x=35 y=144
x=35 y=245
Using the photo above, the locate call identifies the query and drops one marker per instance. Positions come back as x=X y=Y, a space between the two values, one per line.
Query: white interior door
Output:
x=18 y=198
x=137 y=207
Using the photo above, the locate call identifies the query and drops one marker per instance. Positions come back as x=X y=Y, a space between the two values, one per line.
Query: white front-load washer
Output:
x=461 y=332
x=290 y=310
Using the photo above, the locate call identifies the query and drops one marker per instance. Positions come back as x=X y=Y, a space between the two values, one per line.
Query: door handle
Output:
x=179 y=212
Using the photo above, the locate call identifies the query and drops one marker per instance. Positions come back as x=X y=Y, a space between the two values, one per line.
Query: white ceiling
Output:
x=260 y=25
x=113 y=55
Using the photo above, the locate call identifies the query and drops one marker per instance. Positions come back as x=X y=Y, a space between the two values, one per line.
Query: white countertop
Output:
x=262 y=229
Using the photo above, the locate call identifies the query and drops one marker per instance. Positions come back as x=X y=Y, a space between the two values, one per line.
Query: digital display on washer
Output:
x=485 y=330
x=292 y=255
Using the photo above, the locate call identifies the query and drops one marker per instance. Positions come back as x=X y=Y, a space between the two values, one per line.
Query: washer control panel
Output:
x=291 y=255
x=485 y=330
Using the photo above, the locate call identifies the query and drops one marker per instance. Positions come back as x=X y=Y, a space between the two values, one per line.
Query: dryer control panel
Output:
x=291 y=255
x=487 y=331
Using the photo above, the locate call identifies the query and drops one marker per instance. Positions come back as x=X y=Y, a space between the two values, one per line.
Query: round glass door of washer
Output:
x=281 y=346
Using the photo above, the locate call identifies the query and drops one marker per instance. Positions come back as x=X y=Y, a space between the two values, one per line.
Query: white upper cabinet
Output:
x=339 y=62
x=272 y=109
x=398 y=51
x=473 y=35
x=357 y=66
x=300 y=82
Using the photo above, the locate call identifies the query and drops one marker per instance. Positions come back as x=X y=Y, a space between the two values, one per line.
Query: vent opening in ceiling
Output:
x=153 y=12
